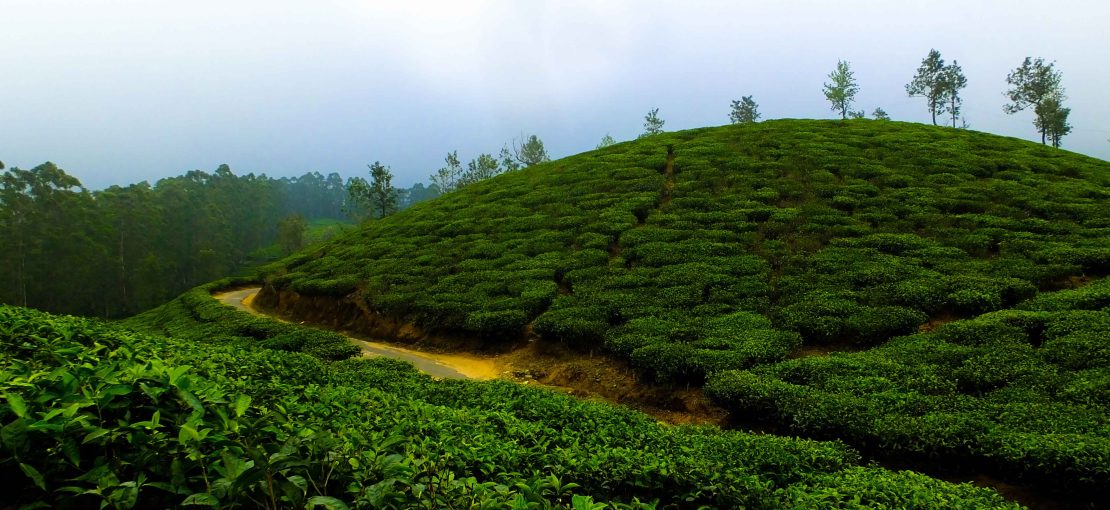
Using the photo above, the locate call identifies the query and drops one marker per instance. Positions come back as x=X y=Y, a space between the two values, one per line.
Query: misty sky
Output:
x=122 y=91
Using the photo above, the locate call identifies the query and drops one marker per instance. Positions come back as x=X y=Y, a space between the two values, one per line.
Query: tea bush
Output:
x=1022 y=392
x=94 y=415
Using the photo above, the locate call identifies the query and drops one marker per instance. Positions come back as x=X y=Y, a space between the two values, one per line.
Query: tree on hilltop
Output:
x=842 y=91
x=1031 y=85
x=653 y=125
x=383 y=196
x=606 y=141
x=744 y=111
x=523 y=152
x=952 y=80
x=378 y=196
x=1052 y=119
x=447 y=177
x=479 y=169
x=928 y=83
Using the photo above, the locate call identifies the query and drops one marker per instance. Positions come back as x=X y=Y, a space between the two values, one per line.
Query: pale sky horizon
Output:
x=121 y=91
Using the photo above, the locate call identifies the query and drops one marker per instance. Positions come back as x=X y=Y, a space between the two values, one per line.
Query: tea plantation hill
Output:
x=720 y=256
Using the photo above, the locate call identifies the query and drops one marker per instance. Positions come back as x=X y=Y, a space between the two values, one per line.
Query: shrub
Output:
x=876 y=324
x=668 y=361
x=500 y=324
x=819 y=317
x=737 y=322
x=577 y=325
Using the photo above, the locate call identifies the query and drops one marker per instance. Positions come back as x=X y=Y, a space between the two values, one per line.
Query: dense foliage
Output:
x=97 y=416
x=836 y=232
x=195 y=316
x=709 y=251
x=121 y=250
x=1024 y=392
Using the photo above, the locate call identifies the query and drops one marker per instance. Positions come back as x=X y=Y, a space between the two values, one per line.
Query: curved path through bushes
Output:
x=473 y=367
x=435 y=365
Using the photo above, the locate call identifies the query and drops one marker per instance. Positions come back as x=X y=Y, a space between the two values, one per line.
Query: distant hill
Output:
x=716 y=255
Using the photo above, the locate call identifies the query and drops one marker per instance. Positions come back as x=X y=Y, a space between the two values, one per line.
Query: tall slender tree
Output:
x=928 y=83
x=1031 y=84
x=952 y=81
x=383 y=196
x=1052 y=119
x=653 y=125
x=843 y=89
x=447 y=177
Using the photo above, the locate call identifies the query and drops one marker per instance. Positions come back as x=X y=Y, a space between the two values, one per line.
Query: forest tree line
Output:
x=121 y=250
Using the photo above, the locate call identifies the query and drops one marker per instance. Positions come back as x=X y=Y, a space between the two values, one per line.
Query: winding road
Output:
x=435 y=365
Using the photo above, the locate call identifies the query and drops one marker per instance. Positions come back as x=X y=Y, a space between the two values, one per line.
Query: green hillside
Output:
x=914 y=295
x=717 y=255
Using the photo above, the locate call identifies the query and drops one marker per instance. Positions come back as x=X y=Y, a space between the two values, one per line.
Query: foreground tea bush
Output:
x=95 y=416
x=196 y=315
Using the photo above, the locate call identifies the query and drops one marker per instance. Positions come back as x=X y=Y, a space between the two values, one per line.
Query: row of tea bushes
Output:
x=136 y=420
x=1023 y=392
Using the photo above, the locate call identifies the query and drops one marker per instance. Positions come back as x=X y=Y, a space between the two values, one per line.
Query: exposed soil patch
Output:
x=604 y=378
x=1067 y=283
x=937 y=321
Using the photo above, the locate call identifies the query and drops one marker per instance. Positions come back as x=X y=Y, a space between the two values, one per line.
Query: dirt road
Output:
x=436 y=365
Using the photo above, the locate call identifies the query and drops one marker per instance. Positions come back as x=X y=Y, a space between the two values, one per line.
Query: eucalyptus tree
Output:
x=1031 y=85
x=928 y=83
x=447 y=177
x=952 y=80
x=1052 y=119
x=653 y=125
x=382 y=194
x=843 y=89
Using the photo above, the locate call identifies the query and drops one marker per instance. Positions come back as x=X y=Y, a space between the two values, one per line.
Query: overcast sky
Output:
x=122 y=91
